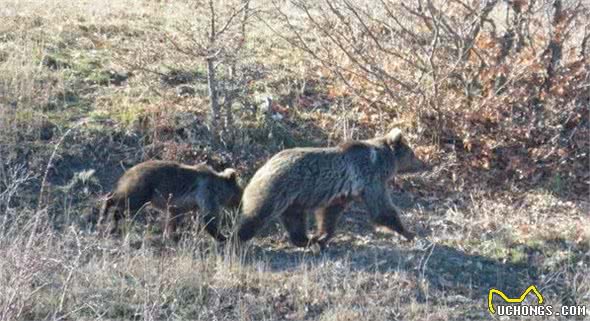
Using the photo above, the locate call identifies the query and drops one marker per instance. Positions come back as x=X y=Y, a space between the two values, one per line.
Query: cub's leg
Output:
x=103 y=216
x=118 y=215
x=326 y=220
x=109 y=221
x=210 y=211
x=172 y=218
x=295 y=222
x=104 y=210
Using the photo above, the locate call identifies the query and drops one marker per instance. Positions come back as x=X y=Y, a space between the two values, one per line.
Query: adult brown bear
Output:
x=324 y=181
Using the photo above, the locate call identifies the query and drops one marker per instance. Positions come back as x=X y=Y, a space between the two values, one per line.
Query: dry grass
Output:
x=67 y=65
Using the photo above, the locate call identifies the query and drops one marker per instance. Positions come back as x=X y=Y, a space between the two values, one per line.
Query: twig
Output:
x=44 y=181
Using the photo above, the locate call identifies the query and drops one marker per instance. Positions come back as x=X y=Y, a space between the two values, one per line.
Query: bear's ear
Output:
x=230 y=173
x=394 y=137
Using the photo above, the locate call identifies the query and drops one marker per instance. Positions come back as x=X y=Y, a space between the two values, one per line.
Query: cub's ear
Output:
x=394 y=137
x=230 y=173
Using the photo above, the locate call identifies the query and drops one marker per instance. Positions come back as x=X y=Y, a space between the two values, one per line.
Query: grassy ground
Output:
x=88 y=89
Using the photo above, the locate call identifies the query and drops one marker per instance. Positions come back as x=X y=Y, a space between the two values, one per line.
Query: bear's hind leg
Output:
x=295 y=222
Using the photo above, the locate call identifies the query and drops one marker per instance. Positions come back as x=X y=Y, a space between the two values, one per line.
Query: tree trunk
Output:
x=213 y=102
x=555 y=45
x=228 y=131
x=246 y=4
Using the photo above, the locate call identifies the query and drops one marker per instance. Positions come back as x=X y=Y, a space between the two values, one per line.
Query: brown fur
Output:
x=324 y=181
x=174 y=189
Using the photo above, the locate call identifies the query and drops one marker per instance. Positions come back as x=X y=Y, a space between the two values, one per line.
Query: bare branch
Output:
x=234 y=14
x=372 y=65
x=375 y=40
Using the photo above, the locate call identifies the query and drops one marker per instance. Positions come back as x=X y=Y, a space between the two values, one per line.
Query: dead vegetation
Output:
x=495 y=94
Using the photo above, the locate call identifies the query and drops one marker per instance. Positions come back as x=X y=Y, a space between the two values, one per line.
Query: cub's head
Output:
x=406 y=160
x=231 y=188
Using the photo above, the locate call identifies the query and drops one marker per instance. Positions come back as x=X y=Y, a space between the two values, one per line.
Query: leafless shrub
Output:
x=211 y=34
x=480 y=75
x=402 y=55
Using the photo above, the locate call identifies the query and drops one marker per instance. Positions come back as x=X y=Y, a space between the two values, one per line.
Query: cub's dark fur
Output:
x=324 y=181
x=174 y=189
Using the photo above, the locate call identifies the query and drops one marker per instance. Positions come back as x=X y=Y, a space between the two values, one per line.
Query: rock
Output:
x=117 y=78
x=46 y=130
x=54 y=63
x=185 y=91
